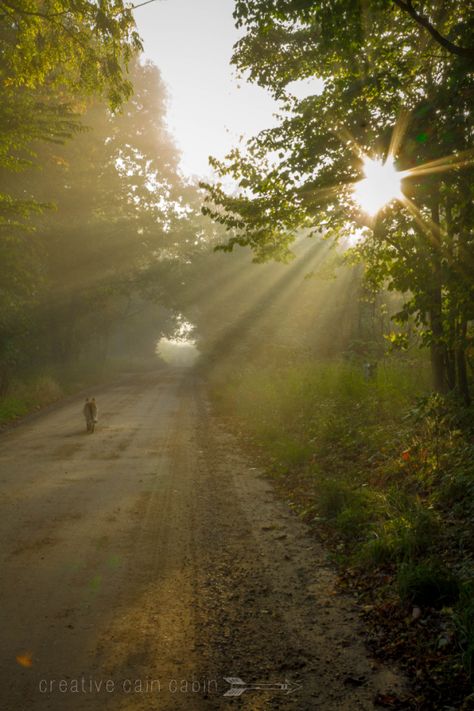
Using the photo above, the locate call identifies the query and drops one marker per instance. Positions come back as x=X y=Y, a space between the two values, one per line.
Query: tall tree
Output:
x=388 y=90
x=116 y=189
x=54 y=52
x=80 y=46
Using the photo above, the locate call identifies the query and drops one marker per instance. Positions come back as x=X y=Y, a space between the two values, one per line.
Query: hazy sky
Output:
x=191 y=42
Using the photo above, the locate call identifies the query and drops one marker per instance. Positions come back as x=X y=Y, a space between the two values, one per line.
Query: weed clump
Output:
x=385 y=469
x=427 y=583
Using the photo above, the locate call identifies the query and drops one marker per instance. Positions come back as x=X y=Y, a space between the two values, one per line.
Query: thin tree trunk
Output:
x=451 y=319
x=463 y=382
x=438 y=349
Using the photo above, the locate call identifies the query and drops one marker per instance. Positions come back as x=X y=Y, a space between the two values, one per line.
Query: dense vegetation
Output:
x=381 y=467
x=397 y=84
x=95 y=218
x=382 y=471
x=103 y=248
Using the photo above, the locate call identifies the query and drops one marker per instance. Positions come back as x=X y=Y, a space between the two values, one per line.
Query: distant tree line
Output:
x=94 y=215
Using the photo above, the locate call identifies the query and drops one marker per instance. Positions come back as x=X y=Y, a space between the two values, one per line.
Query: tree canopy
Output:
x=81 y=47
x=91 y=200
x=390 y=89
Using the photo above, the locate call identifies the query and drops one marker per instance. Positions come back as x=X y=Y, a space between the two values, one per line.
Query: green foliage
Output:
x=121 y=218
x=355 y=520
x=12 y=408
x=328 y=407
x=406 y=532
x=428 y=583
x=351 y=511
x=55 y=53
x=464 y=618
x=28 y=395
x=69 y=46
x=385 y=473
x=386 y=89
x=55 y=56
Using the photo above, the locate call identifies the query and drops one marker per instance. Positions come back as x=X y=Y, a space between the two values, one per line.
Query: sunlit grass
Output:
x=28 y=395
x=383 y=469
x=301 y=411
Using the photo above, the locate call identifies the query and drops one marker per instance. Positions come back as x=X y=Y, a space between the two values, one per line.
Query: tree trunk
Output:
x=463 y=382
x=451 y=368
x=452 y=321
x=438 y=369
x=438 y=348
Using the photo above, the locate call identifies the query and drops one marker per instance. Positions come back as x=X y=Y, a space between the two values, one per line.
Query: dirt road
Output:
x=146 y=562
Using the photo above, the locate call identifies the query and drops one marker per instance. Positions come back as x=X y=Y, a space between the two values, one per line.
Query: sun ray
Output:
x=427 y=225
x=272 y=295
x=325 y=193
x=346 y=137
x=436 y=234
x=398 y=133
x=440 y=165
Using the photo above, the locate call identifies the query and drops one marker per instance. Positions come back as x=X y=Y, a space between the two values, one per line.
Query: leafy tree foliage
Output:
x=81 y=47
x=119 y=218
x=54 y=53
x=389 y=88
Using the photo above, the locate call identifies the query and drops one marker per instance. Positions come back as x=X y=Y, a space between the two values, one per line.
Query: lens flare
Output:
x=25 y=659
x=381 y=185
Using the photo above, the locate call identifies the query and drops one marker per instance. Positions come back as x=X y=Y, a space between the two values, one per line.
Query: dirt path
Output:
x=143 y=564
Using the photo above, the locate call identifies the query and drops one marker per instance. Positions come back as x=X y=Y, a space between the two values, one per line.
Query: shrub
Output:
x=44 y=390
x=30 y=394
x=11 y=407
x=464 y=619
x=427 y=583
x=404 y=537
x=290 y=452
x=379 y=551
x=354 y=521
x=333 y=497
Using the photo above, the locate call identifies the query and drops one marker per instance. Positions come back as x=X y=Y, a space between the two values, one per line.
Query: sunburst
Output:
x=381 y=185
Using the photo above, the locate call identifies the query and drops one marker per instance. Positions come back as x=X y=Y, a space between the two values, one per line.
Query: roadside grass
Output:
x=428 y=583
x=35 y=390
x=383 y=471
x=464 y=618
x=28 y=395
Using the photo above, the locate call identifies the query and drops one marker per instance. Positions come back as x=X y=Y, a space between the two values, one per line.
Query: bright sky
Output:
x=191 y=42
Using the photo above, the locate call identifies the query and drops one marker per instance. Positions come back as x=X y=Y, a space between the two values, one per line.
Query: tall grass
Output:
x=28 y=395
x=315 y=411
x=383 y=466
x=34 y=390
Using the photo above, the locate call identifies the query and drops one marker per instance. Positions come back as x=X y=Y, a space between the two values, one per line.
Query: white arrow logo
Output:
x=238 y=686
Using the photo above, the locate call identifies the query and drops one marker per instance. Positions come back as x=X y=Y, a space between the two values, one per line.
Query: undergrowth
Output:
x=35 y=390
x=28 y=395
x=383 y=469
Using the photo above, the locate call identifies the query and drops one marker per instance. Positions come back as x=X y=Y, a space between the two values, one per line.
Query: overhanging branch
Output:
x=423 y=21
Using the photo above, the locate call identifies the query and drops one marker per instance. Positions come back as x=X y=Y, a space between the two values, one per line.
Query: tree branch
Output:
x=43 y=15
x=407 y=6
x=52 y=15
x=141 y=4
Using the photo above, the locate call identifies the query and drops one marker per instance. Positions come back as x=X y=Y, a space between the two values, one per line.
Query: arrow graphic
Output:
x=238 y=686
